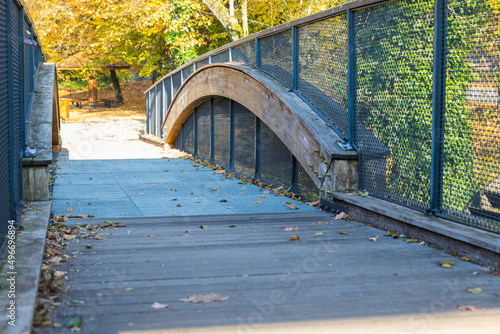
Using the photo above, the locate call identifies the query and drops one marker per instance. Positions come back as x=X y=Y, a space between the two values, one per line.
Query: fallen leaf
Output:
x=213 y=297
x=363 y=193
x=69 y=209
x=151 y=236
x=290 y=228
x=187 y=231
x=262 y=196
x=496 y=272
x=498 y=294
x=411 y=240
x=470 y=308
x=294 y=237
x=61 y=219
x=322 y=223
x=467 y=259
x=153 y=185
x=128 y=289
x=446 y=264
x=196 y=165
x=313 y=203
x=220 y=171
x=266 y=192
x=344 y=232
x=389 y=234
x=223 y=200
x=213 y=189
x=172 y=189
x=244 y=187
x=232 y=226
x=182 y=170
x=74 y=322
x=59 y=273
x=89 y=246
x=319 y=233
x=204 y=227
x=158 y=305
x=375 y=238
x=68 y=236
x=257 y=202
x=294 y=207
x=475 y=290
x=141 y=193
x=74 y=301
x=341 y=215
x=179 y=205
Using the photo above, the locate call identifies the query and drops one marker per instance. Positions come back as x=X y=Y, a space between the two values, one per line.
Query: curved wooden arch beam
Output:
x=305 y=134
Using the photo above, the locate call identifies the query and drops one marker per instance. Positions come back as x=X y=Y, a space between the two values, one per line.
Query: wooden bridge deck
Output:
x=268 y=278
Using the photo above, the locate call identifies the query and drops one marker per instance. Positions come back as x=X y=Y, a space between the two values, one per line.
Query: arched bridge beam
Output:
x=305 y=134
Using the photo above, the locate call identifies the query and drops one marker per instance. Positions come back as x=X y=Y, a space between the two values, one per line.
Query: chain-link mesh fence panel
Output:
x=188 y=134
x=322 y=68
x=159 y=110
x=222 y=121
x=176 y=82
x=204 y=130
x=167 y=96
x=276 y=56
x=394 y=52
x=471 y=181
x=222 y=57
x=245 y=53
x=275 y=159
x=17 y=98
x=304 y=185
x=187 y=71
x=203 y=62
x=244 y=140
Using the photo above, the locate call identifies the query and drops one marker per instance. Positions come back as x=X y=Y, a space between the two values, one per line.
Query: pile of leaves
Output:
x=52 y=277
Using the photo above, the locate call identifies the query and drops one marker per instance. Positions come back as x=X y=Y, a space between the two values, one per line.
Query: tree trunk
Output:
x=230 y=23
x=116 y=86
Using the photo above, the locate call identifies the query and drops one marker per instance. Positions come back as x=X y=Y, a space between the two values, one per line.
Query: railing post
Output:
x=351 y=89
x=195 y=144
x=231 y=136
x=230 y=53
x=212 y=130
x=257 y=53
x=182 y=76
x=10 y=108
x=21 y=84
x=210 y=59
x=438 y=107
x=257 y=147
x=148 y=112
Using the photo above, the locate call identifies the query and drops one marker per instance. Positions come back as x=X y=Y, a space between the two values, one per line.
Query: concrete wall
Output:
x=307 y=136
x=43 y=135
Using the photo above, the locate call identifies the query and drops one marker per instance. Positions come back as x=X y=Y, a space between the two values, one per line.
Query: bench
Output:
x=108 y=103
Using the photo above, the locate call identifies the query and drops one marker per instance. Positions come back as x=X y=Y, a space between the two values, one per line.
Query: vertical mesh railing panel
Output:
x=305 y=185
x=176 y=82
x=221 y=131
x=188 y=134
x=394 y=51
x=322 y=68
x=471 y=181
x=276 y=56
x=188 y=71
x=244 y=140
x=26 y=60
x=204 y=130
x=4 y=127
x=159 y=110
x=275 y=159
x=16 y=103
x=222 y=57
x=245 y=53
x=203 y=62
x=167 y=97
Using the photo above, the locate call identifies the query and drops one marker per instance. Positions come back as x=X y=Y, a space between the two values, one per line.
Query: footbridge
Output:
x=355 y=98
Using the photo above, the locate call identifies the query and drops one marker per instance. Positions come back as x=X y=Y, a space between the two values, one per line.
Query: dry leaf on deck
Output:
x=294 y=237
x=290 y=228
x=375 y=238
x=213 y=297
x=341 y=215
x=158 y=305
